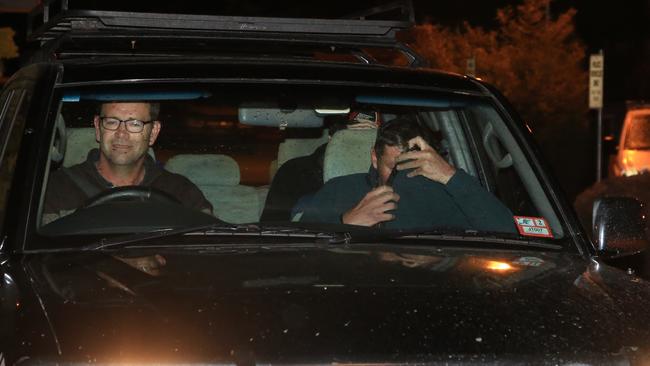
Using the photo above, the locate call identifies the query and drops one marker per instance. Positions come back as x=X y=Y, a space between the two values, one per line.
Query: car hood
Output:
x=635 y=161
x=309 y=305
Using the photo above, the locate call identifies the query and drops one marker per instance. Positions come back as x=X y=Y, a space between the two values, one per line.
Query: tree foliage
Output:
x=536 y=61
x=8 y=48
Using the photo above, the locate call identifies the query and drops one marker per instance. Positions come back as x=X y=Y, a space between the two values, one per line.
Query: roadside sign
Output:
x=596 y=73
x=470 y=68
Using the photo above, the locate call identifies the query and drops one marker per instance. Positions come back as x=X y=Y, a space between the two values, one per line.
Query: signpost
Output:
x=596 y=74
x=470 y=68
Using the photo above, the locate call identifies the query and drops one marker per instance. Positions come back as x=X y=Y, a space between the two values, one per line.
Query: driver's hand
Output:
x=372 y=208
x=425 y=162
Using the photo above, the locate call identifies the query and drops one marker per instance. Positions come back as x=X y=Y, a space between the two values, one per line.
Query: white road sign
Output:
x=596 y=73
x=470 y=68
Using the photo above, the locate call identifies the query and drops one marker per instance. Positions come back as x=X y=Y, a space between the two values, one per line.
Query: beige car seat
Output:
x=348 y=152
x=218 y=178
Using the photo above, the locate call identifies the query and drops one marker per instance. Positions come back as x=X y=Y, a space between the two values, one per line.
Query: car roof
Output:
x=260 y=70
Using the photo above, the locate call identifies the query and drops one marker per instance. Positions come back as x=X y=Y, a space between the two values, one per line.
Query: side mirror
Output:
x=619 y=225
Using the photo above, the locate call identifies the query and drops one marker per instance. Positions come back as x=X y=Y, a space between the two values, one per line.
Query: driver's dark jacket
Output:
x=65 y=193
x=424 y=204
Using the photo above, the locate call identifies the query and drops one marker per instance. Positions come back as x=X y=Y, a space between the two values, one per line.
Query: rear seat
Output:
x=218 y=178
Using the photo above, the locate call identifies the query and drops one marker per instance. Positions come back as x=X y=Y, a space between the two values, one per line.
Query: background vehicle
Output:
x=150 y=282
x=633 y=155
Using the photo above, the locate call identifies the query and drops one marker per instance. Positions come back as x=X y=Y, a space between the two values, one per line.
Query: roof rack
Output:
x=57 y=25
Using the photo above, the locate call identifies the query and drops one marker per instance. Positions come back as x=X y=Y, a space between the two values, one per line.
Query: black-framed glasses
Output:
x=132 y=125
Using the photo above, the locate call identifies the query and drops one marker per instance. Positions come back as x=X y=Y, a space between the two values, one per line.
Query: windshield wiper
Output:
x=224 y=229
x=477 y=236
x=324 y=235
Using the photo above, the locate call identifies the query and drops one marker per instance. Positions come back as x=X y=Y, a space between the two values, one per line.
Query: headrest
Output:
x=348 y=152
x=371 y=117
x=80 y=141
x=205 y=169
x=60 y=138
x=293 y=148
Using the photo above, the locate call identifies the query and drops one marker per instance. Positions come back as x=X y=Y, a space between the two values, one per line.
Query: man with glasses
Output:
x=125 y=131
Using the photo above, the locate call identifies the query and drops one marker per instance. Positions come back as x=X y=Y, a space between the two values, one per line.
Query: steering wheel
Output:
x=131 y=193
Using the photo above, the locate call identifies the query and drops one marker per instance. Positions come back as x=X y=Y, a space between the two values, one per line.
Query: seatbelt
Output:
x=82 y=183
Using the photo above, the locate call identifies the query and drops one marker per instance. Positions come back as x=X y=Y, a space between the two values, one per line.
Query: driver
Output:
x=125 y=131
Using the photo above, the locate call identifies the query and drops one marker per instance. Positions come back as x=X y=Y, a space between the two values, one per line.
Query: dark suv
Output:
x=135 y=275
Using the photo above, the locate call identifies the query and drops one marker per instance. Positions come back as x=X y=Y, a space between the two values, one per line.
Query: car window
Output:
x=250 y=153
x=638 y=133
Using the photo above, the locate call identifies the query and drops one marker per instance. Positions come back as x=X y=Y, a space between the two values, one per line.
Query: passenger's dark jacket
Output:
x=297 y=178
x=424 y=204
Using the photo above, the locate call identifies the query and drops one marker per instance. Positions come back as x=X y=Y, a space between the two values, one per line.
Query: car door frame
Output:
x=24 y=179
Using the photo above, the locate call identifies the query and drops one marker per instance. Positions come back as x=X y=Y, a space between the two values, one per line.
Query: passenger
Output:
x=124 y=132
x=427 y=194
x=299 y=178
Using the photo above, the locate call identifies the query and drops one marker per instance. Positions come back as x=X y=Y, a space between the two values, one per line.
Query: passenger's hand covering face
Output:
x=426 y=162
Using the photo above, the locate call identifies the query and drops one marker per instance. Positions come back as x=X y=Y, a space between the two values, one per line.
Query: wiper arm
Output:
x=476 y=236
x=329 y=237
x=224 y=229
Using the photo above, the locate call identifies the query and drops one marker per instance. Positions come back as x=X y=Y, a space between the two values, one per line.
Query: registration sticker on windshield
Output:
x=533 y=226
x=529 y=261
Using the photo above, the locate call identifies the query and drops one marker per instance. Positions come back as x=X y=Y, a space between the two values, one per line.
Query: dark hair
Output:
x=398 y=132
x=154 y=108
x=341 y=122
x=336 y=123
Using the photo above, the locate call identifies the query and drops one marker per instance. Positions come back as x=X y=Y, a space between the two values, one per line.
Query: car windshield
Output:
x=127 y=161
x=638 y=133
